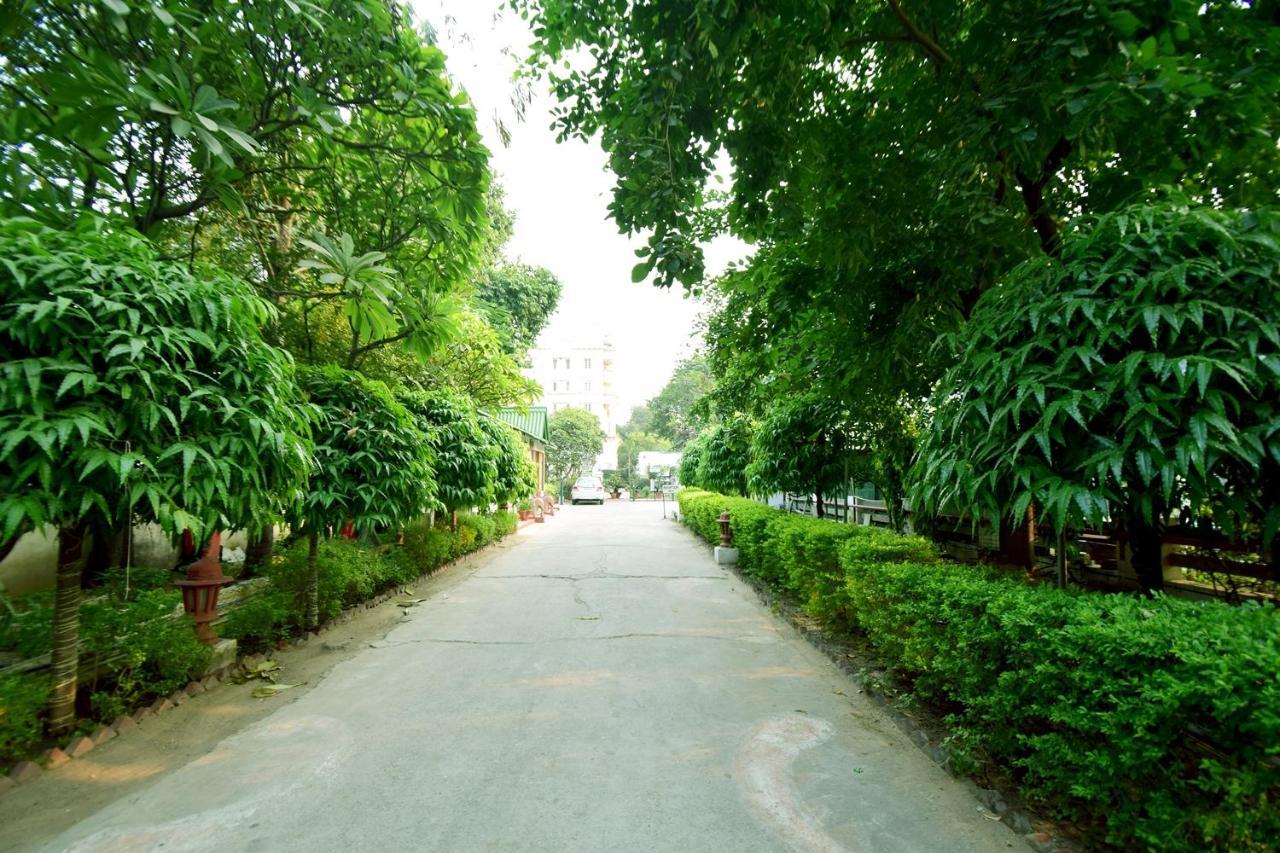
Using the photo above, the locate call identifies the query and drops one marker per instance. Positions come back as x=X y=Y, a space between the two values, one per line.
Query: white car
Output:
x=587 y=490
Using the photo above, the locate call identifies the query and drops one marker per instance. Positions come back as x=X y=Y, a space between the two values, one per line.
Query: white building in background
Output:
x=582 y=377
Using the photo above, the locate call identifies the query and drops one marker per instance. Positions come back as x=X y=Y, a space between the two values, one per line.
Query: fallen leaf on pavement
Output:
x=268 y=690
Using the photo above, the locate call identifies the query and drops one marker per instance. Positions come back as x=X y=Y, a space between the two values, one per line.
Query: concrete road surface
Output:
x=600 y=686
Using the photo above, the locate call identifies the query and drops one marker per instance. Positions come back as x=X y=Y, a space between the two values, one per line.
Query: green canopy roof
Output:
x=532 y=422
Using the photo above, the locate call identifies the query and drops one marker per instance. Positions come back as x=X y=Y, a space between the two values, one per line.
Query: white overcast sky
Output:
x=560 y=193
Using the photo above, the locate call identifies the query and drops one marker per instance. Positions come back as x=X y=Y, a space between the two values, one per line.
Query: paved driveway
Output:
x=598 y=685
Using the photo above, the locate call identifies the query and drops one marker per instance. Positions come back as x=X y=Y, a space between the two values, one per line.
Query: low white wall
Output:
x=33 y=562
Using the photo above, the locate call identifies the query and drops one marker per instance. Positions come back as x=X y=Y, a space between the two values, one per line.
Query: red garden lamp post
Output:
x=726 y=533
x=200 y=589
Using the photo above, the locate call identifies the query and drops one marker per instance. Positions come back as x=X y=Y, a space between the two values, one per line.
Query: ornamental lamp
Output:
x=726 y=535
x=201 y=587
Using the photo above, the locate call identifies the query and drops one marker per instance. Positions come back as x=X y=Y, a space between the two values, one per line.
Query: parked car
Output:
x=587 y=490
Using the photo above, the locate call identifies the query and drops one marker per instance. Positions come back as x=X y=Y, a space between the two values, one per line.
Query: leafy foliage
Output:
x=690 y=471
x=674 y=414
x=466 y=457
x=373 y=464
x=22 y=697
x=1149 y=713
x=801 y=445
x=1139 y=370
x=519 y=300
x=515 y=477
x=634 y=442
x=574 y=440
x=158 y=111
x=133 y=385
x=725 y=453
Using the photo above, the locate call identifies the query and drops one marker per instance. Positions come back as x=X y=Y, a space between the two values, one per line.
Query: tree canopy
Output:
x=574 y=440
x=135 y=386
x=890 y=162
x=674 y=415
x=466 y=460
x=519 y=300
x=1135 y=374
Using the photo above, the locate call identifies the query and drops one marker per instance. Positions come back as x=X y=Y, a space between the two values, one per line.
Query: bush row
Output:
x=1158 y=717
x=351 y=572
x=141 y=654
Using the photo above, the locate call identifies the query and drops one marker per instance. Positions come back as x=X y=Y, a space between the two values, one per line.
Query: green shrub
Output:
x=483 y=526
x=22 y=698
x=348 y=573
x=266 y=618
x=30 y=631
x=1160 y=717
x=808 y=549
x=464 y=541
x=147 y=651
x=427 y=548
x=505 y=523
x=140 y=647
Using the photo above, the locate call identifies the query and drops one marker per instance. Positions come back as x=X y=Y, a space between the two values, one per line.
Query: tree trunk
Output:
x=1144 y=551
x=313 y=579
x=66 y=630
x=258 y=551
x=818 y=494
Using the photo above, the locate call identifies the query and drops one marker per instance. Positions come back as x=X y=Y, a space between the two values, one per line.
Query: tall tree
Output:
x=674 y=415
x=133 y=388
x=891 y=160
x=373 y=465
x=466 y=458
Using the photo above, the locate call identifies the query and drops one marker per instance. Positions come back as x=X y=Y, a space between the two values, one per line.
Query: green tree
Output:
x=1135 y=376
x=802 y=445
x=674 y=415
x=157 y=111
x=634 y=443
x=133 y=388
x=518 y=300
x=373 y=465
x=466 y=459
x=515 y=477
x=725 y=453
x=574 y=440
x=691 y=470
x=949 y=144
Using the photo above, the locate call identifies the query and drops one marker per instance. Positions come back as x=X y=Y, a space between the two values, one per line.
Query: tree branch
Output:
x=918 y=35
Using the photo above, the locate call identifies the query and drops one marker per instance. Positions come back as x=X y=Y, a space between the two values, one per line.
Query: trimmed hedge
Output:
x=1158 y=717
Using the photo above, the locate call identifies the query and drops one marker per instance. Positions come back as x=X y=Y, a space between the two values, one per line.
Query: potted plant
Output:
x=525 y=509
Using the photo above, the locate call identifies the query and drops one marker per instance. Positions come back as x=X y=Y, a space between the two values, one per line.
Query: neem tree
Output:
x=1136 y=375
x=801 y=445
x=515 y=477
x=133 y=388
x=373 y=464
x=466 y=460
